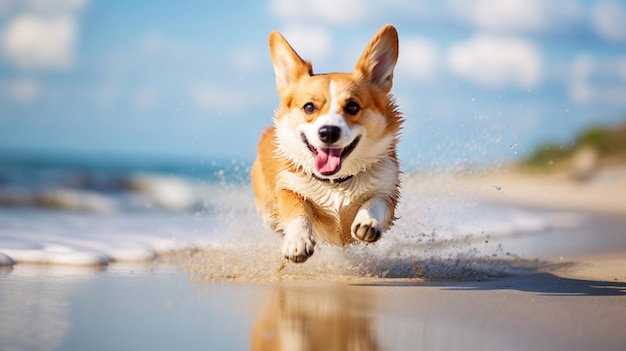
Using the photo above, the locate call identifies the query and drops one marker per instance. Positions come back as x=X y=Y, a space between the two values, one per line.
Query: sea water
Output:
x=85 y=211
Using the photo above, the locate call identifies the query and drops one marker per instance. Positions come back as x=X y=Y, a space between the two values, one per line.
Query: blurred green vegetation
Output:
x=608 y=142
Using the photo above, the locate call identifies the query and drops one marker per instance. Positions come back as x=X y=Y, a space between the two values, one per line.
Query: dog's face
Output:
x=336 y=125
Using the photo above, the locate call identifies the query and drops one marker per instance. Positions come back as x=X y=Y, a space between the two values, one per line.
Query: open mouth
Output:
x=328 y=160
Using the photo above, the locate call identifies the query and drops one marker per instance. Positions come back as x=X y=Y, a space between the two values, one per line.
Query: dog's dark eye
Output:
x=352 y=108
x=309 y=108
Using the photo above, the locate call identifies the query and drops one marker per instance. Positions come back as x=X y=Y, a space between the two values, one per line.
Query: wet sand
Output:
x=560 y=289
x=574 y=305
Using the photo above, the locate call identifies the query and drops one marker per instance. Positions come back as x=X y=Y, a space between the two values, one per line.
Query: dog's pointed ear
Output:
x=288 y=66
x=379 y=59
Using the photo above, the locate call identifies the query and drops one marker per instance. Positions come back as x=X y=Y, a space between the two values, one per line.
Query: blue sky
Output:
x=481 y=81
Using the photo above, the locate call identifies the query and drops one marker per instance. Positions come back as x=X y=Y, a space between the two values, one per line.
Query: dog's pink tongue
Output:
x=328 y=161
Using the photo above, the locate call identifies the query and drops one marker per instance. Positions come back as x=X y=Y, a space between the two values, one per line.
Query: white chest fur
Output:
x=380 y=178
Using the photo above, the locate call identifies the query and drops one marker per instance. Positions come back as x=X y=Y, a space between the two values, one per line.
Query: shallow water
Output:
x=121 y=307
x=130 y=306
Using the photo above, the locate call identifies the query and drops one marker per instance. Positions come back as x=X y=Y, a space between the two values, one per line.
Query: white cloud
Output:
x=151 y=42
x=246 y=59
x=12 y=7
x=499 y=14
x=598 y=80
x=144 y=98
x=311 y=43
x=25 y=90
x=53 y=6
x=495 y=61
x=348 y=12
x=609 y=20
x=41 y=33
x=332 y=11
x=517 y=15
x=581 y=70
x=210 y=96
x=37 y=42
x=418 y=58
x=6 y=7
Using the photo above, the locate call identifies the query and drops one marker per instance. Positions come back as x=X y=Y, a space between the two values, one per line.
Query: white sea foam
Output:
x=6 y=260
x=60 y=198
x=168 y=192
x=197 y=215
x=54 y=254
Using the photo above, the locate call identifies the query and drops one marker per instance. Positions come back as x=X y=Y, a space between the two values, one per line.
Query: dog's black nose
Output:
x=329 y=134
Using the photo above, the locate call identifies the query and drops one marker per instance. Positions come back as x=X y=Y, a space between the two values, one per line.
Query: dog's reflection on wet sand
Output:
x=310 y=318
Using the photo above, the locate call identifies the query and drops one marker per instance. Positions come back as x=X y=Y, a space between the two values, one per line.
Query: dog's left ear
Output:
x=379 y=59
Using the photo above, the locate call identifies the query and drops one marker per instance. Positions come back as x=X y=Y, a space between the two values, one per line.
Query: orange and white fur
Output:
x=327 y=170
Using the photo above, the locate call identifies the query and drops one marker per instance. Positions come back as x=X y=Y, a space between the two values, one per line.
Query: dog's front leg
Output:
x=374 y=216
x=298 y=243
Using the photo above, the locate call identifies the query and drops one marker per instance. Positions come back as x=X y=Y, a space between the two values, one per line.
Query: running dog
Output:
x=328 y=170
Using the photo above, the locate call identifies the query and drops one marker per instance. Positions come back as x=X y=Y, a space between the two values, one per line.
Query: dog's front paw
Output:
x=366 y=228
x=298 y=243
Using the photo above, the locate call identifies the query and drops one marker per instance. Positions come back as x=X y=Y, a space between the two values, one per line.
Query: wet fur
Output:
x=358 y=202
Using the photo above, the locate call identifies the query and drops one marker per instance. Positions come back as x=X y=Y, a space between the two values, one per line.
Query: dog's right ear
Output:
x=288 y=66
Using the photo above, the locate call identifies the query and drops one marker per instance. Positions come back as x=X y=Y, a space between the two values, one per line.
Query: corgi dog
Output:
x=328 y=170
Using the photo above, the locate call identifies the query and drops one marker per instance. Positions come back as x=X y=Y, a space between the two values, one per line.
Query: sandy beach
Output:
x=605 y=192
x=555 y=289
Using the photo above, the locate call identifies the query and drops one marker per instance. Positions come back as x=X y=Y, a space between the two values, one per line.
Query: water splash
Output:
x=211 y=229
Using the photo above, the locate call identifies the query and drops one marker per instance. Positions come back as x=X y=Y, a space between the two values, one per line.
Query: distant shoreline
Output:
x=605 y=192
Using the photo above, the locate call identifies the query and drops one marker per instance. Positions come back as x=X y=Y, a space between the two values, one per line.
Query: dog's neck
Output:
x=333 y=181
